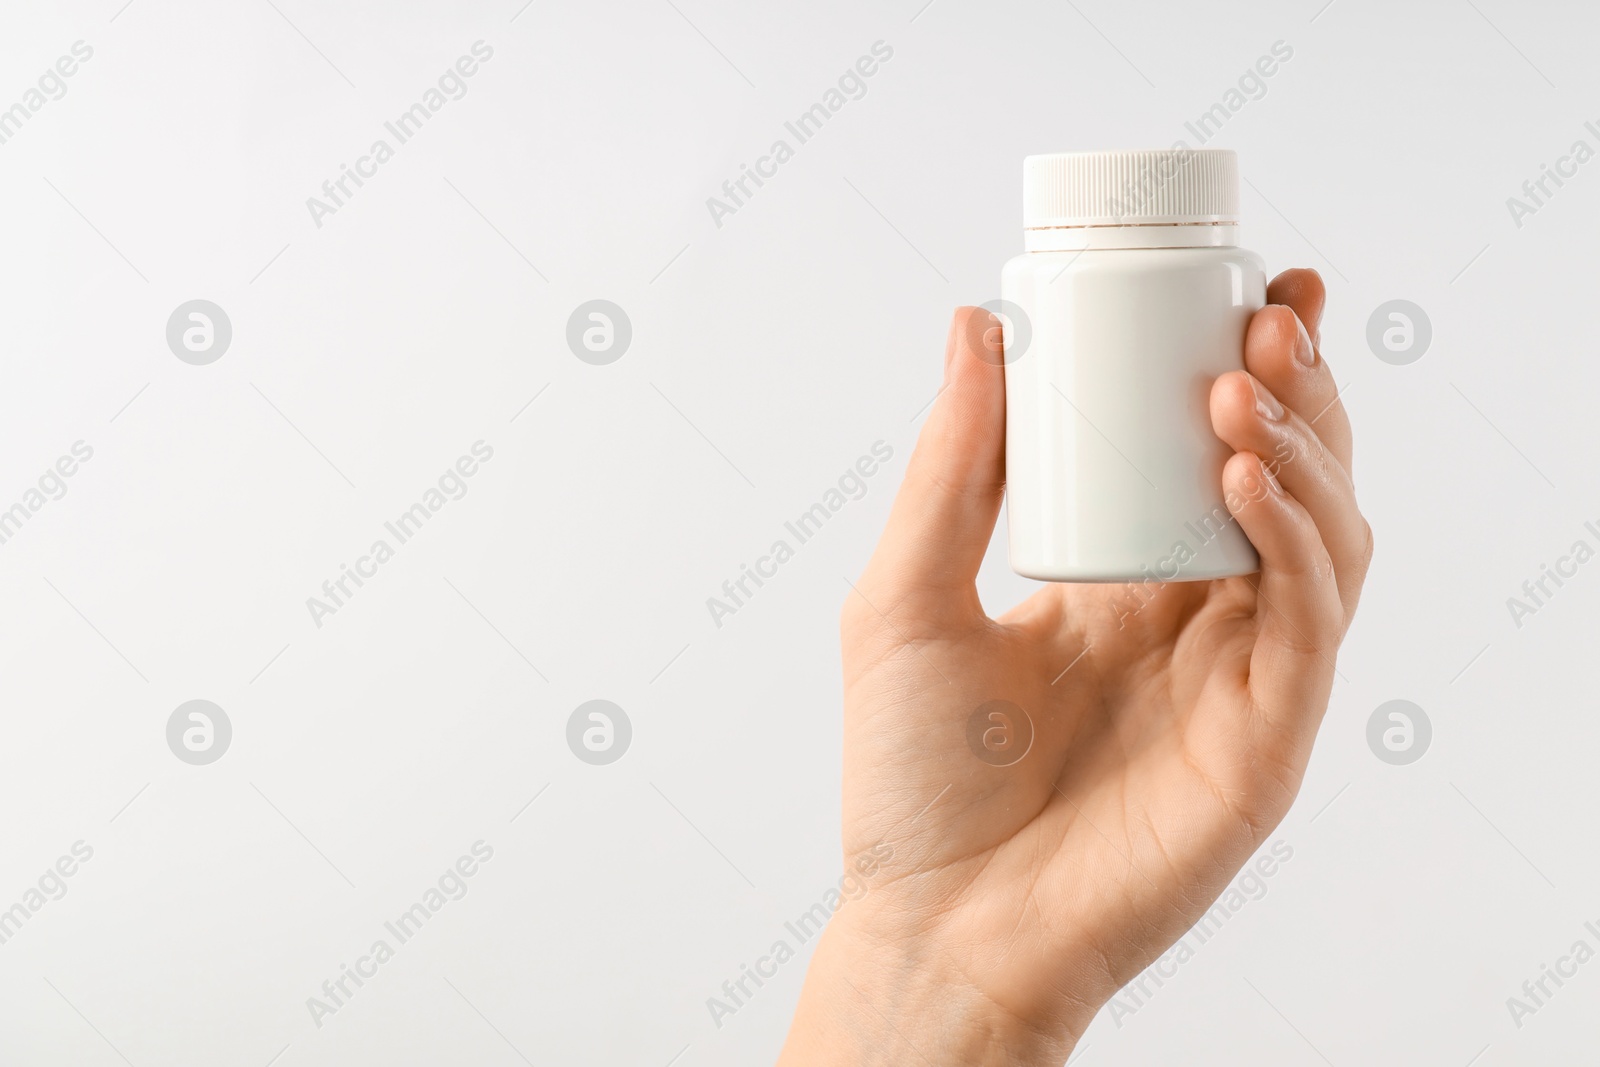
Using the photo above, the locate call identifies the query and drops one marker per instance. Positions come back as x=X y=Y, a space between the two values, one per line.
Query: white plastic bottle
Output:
x=1131 y=299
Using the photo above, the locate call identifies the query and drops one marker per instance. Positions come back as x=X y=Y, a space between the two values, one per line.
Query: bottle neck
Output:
x=1158 y=235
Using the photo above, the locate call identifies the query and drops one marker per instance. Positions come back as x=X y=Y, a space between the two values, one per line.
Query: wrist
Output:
x=869 y=999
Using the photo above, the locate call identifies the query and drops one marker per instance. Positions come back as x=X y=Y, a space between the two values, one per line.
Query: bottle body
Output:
x=1113 y=472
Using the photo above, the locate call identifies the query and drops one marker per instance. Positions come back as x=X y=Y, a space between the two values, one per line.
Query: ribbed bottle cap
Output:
x=1164 y=186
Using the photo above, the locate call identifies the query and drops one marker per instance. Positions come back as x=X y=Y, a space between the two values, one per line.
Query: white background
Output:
x=768 y=354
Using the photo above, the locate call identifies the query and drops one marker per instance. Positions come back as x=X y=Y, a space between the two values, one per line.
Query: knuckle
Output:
x=1325 y=610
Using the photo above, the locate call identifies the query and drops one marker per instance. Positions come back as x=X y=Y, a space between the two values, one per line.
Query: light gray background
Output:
x=768 y=355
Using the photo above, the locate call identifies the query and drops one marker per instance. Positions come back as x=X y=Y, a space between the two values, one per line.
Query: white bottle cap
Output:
x=1175 y=186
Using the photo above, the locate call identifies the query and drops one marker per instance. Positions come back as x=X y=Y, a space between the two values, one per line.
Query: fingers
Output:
x=1301 y=291
x=1280 y=353
x=1249 y=418
x=1301 y=617
x=1298 y=510
x=927 y=560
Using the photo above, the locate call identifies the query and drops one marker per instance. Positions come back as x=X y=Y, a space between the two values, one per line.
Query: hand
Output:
x=1004 y=905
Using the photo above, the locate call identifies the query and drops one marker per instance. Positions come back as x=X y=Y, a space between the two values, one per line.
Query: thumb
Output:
x=927 y=560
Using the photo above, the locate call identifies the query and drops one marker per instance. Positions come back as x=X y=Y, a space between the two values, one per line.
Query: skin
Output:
x=1014 y=901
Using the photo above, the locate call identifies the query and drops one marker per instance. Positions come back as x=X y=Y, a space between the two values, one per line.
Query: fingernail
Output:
x=1267 y=405
x=1305 y=349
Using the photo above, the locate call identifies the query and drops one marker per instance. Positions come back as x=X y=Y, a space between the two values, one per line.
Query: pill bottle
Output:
x=1132 y=296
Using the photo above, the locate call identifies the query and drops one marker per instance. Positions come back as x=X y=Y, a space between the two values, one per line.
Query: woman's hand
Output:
x=1135 y=743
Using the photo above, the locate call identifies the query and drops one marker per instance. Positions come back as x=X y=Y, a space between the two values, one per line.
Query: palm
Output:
x=1123 y=785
